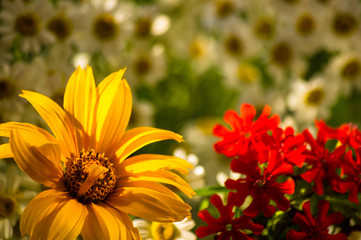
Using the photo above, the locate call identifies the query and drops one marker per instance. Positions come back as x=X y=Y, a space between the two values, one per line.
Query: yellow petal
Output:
x=41 y=163
x=39 y=208
x=113 y=113
x=80 y=101
x=57 y=120
x=150 y=201
x=30 y=132
x=153 y=162
x=136 y=138
x=94 y=172
x=160 y=176
x=53 y=215
x=5 y=151
x=105 y=222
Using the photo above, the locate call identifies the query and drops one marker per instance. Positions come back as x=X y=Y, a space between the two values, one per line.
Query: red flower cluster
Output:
x=270 y=158
x=315 y=229
x=229 y=226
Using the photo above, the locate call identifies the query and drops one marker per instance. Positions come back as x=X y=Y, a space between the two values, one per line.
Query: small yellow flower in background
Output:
x=93 y=183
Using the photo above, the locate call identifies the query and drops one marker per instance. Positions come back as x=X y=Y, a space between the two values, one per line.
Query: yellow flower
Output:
x=93 y=181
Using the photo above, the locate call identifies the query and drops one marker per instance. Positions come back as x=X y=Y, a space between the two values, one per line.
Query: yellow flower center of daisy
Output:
x=344 y=24
x=305 y=24
x=282 y=54
x=142 y=65
x=143 y=26
x=196 y=49
x=224 y=8
x=233 y=45
x=351 y=69
x=247 y=73
x=105 y=27
x=90 y=177
x=7 y=206
x=264 y=28
x=6 y=88
x=60 y=26
x=314 y=97
x=27 y=24
x=163 y=231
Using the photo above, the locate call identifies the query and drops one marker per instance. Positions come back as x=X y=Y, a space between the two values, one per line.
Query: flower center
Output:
x=224 y=8
x=344 y=24
x=247 y=73
x=6 y=89
x=143 y=26
x=264 y=28
x=282 y=54
x=7 y=206
x=105 y=27
x=90 y=177
x=60 y=26
x=27 y=24
x=196 y=49
x=142 y=65
x=163 y=231
x=351 y=69
x=305 y=24
x=314 y=97
x=234 y=45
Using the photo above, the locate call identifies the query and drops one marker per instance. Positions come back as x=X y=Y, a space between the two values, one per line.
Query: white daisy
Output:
x=195 y=177
x=170 y=231
x=24 y=22
x=146 y=65
x=344 y=25
x=13 y=199
x=12 y=79
x=106 y=29
x=345 y=70
x=312 y=99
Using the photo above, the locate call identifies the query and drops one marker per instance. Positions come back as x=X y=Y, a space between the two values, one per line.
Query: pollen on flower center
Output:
x=105 y=27
x=90 y=177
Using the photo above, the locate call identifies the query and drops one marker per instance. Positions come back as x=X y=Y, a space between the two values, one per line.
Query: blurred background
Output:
x=187 y=62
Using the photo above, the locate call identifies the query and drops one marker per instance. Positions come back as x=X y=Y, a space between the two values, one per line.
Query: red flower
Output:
x=346 y=133
x=352 y=168
x=226 y=226
x=243 y=130
x=323 y=163
x=316 y=228
x=261 y=184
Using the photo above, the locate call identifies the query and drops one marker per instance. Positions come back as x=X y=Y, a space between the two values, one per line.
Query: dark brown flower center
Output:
x=305 y=24
x=264 y=28
x=105 y=27
x=7 y=206
x=344 y=24
x=85 y=183
x=142 y=65
x=143 y=27
x=27 y=24
x=315 y=97
x=224 y=8
x=233 y=45
x=282 y=54
x=6 y=89
x=351 y=70
x=60 y=26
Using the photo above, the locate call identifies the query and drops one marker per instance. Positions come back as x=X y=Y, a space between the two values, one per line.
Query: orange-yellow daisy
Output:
x=93 y=182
